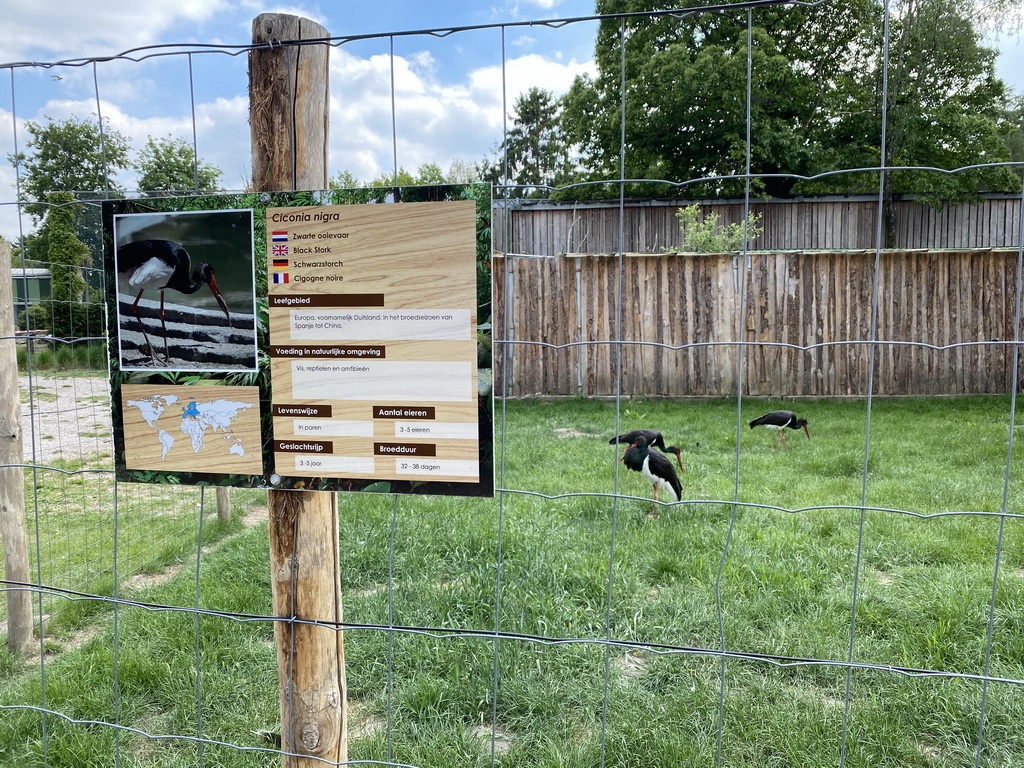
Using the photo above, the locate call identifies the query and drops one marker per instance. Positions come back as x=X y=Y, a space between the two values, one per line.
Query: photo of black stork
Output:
x=653 y=438
x=162 y=265
x=779 y=420
x=655 y=467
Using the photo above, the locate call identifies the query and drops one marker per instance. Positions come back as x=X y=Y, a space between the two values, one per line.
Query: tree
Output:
x=390 y=179
x=945 y=108
x=536 y=147
x=686 y=83
x=66 y=253
x=344 y=180
x=428 y=173
x=166 y=165
x=1015 y=139
x=461 y=172
x=71 y=155
x=815 y=96
x=69 y=313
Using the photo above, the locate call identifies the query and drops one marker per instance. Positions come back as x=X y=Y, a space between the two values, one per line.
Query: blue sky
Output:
x=448 y=92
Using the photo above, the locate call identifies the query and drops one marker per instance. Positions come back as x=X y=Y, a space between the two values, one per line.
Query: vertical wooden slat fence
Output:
x=821 y=300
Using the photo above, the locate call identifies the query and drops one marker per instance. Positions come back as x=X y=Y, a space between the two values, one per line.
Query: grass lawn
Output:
x=794 y=547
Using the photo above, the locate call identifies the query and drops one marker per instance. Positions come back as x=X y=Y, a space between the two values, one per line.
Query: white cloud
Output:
x=435 y=122
x=93 y=28
x=9 y=224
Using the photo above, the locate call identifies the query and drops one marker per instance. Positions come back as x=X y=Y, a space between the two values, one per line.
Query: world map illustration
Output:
x=197 y=420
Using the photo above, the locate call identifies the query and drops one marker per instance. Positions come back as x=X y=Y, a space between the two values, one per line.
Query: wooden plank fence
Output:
x=681 y=317
x=649 y=226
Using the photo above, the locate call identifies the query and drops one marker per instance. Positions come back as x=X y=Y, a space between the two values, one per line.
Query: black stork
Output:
x=160 y=265
x=655 y=467
x=779 y=420
x=652 y=437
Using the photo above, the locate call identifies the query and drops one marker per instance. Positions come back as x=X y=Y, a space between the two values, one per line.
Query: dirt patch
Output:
x=564 y=433
x=361 y=724
x=254 y=516
x=502 y=741
x=65 y=417
x=143 y=581
x=631 y=665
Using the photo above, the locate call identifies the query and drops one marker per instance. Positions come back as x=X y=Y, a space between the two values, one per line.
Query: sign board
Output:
x=348 y=360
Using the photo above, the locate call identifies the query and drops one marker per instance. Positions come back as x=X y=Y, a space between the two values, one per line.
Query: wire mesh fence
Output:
x=852 y=601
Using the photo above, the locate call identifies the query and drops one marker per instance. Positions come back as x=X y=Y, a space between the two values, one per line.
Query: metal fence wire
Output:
x=117 y=567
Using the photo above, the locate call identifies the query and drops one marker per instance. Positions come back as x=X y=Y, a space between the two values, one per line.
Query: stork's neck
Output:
x=197 y=281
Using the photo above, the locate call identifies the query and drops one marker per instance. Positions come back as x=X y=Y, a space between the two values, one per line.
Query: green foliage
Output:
x=30 y=249
x=344 y=179
x=697 y=127
x=66 y=254
x=458 y=172
x=815 y=103
x=69 y=155
x=536 y=147
x=67 y=320
x=1014 y=119
x=946 y=107
x=170 y=165
x=72 y=311
x=708 y=236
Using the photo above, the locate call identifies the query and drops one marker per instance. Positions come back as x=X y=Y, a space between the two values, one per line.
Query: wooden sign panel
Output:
x=372 y=341
x=336 y=347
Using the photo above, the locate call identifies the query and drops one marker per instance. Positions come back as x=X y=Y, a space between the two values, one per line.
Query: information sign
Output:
x=354 y=365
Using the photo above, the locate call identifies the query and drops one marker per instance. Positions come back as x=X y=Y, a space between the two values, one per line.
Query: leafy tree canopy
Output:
x=815 y=98
x=66 y=253
x=166 y=165
x=945 y=106
x=72 y=155
x=535 y=147
x=428 y=173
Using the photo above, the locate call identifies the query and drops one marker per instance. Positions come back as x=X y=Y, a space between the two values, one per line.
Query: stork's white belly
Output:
x=662 y=484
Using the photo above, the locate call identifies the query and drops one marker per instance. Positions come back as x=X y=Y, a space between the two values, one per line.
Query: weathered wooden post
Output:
x=288 y=116
x=12 y=479
x=223 y=504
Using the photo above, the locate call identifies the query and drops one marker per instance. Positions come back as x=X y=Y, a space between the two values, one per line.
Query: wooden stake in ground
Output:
x=12 y=479
x=286 y=81
x=223 y=504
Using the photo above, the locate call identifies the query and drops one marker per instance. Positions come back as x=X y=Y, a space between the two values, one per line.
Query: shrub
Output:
x=708 y=236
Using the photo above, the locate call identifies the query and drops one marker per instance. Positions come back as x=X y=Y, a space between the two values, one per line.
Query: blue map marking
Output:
x=191 y=410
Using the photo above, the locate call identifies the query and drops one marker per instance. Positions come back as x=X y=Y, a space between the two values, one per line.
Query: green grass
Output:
x=923 y=591
x=71 y=528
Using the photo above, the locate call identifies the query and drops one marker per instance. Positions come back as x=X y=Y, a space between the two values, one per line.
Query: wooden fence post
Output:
x=12 y=479
x=223 y=504
x=286 y=84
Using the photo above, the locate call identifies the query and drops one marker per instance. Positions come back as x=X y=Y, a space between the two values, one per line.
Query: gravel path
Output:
x=67 y=418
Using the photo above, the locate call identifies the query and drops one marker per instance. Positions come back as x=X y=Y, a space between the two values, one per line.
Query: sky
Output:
x=448 y=91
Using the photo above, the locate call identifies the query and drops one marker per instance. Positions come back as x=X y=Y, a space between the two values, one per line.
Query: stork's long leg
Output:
x=142 y=327
x=163 y=325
